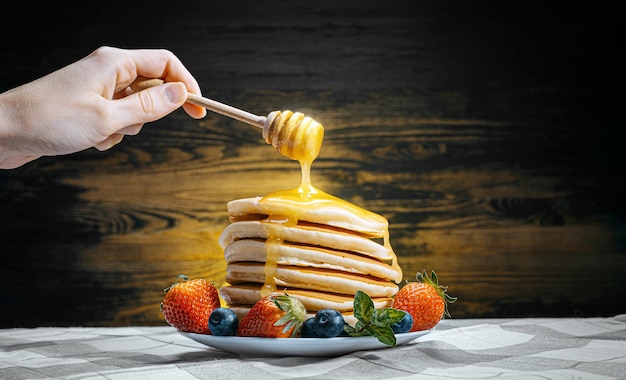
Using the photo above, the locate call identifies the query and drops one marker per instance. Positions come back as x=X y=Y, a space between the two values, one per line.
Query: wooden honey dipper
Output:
x=294 y=135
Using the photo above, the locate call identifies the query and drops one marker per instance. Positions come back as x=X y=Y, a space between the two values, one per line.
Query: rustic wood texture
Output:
x=491 y=138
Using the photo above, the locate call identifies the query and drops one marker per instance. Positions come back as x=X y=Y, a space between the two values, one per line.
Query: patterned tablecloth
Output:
x=545 y=348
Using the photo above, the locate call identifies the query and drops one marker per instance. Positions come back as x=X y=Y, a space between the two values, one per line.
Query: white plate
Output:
x=254 y=346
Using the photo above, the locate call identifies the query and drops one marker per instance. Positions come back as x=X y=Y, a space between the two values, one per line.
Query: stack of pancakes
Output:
x=320 y=255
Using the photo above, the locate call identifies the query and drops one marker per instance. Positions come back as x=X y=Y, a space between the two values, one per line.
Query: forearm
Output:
x=11 y=131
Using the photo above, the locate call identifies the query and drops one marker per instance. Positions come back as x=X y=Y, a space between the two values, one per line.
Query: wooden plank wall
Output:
x=490 y=137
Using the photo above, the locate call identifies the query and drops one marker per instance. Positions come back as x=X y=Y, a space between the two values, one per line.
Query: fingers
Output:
x=141 y=83
x=128 y=64
x=148 y=105
x=117 y=137
x=131 y=130
x=109 y=142
x=151 y=104
x=165 y=65
x=127 y=111
x=194 y=111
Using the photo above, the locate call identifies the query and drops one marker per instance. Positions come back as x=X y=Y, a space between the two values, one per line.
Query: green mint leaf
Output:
x=363 y=307
x=384 y=334
x=349 y=330
x=359 y=329
x=387 y=317
x=372 y=321
x=359 y=326
x=380 y=318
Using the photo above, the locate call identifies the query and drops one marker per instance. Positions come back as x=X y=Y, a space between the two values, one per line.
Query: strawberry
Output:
x=425 y=300
x=273 y=317
x=188 y=303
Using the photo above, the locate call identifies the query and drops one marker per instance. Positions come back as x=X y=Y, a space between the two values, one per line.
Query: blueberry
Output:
x=328 y=323
x=307 y=329
x=404 y=325
x=223 y=322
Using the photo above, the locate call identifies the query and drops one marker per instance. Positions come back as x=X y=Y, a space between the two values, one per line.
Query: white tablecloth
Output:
x=544 y=348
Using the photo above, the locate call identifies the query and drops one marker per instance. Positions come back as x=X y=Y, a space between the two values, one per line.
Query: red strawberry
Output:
x=188 y=303
x=425 y=300
x=273 y=317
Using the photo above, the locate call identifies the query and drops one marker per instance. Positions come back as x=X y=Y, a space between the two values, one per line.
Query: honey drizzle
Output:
x=273 y=222
x=303 y=147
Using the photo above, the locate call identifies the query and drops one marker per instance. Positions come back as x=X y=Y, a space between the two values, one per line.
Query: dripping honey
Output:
x=300 y=138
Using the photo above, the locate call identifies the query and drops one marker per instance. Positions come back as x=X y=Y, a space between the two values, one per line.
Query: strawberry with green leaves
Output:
x=188 y=304
x=273 y=317
x=425 y=300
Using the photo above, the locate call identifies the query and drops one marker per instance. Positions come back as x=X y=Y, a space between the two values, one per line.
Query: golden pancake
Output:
x=308 y=256
x=338 y=213
x=248 y=294
x=324 y=280
x=305 y=233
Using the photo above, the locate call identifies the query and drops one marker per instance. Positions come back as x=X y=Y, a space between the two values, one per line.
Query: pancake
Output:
x=307 y=233
x=337 y=214
x=324 y=280
x=310 y=245
x=248 y=294
x=307 y=256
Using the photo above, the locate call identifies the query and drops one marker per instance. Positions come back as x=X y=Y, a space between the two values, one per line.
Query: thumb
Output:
x=151 y=104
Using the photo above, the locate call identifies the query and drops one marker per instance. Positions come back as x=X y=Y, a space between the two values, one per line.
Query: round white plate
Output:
x=254 y=346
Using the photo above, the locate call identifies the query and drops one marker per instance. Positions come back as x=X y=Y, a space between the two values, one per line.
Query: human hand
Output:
x=89 y=103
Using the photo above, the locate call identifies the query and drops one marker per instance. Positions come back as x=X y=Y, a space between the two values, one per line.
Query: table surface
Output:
x=524 y=348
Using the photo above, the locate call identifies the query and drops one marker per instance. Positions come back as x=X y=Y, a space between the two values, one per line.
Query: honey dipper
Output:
x=294 y=135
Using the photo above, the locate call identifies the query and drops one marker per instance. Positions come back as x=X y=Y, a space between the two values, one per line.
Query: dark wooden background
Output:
x=491 y=137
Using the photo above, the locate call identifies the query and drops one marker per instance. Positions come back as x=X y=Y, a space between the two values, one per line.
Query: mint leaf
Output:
x=387 y=317
x=363 y=307
x=384 y=334
x=350 y=330
x=372 y=321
